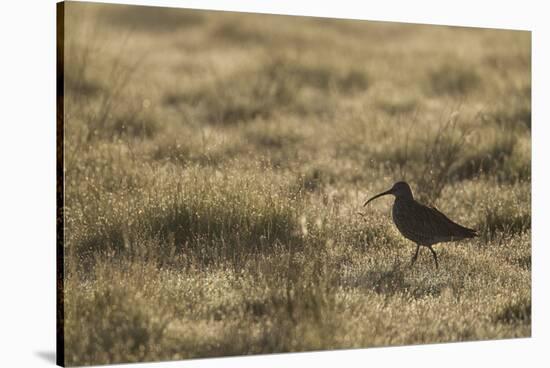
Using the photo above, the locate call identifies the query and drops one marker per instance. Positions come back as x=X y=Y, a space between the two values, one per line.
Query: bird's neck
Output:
x=405 y=197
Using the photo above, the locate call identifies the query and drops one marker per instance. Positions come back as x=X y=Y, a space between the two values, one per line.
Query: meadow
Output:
x=216 y=165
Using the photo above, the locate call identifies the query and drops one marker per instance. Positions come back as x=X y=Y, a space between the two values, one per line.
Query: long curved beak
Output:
x=378 y=195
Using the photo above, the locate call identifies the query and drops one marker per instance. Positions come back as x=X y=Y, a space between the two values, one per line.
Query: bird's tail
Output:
x=469 y=233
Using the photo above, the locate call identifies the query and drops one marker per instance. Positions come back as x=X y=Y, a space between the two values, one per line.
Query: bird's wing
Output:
x=448 y=226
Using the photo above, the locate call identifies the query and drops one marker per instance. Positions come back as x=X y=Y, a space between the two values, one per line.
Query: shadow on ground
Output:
x=48 y=356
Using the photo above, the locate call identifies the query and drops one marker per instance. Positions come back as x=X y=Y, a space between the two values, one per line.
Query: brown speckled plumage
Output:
x=421 y=224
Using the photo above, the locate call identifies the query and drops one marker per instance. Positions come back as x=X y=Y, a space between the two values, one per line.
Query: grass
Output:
x=275 y=85
x=453 y=79
x=215 y=170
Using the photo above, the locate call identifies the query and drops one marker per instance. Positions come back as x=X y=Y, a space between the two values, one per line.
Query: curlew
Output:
x=424 y=225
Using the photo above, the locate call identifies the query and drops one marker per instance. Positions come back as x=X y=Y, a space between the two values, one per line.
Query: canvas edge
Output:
x=60 y=310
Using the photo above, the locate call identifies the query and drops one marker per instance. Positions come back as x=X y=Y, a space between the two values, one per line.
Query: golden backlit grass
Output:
x=216 y=164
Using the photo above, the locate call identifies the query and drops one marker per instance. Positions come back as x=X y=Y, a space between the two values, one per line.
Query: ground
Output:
x=215 y=170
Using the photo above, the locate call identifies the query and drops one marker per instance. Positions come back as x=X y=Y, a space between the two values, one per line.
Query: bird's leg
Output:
x=435 y=256
x=415 y=254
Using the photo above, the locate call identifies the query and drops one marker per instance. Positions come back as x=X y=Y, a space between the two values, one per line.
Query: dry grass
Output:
x=216 y=162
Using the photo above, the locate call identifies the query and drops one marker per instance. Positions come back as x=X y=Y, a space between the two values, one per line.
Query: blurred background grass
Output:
x=215 y=164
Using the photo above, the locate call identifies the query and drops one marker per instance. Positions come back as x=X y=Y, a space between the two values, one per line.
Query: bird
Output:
x=424 y=225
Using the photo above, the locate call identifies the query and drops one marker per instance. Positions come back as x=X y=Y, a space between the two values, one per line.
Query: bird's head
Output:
x=400 y=190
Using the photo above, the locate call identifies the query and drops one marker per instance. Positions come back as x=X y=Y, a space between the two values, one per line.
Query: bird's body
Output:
x=421 y=224
x=426 y=225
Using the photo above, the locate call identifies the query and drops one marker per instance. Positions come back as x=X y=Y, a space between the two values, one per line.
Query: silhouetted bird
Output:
x=423 y=225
